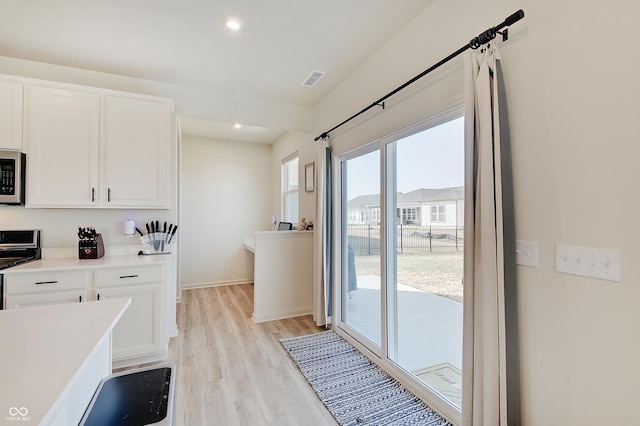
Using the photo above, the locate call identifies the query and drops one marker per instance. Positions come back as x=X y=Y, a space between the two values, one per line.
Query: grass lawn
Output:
x=437 y=272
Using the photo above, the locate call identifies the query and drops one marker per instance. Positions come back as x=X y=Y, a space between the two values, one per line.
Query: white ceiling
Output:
x=183 y=42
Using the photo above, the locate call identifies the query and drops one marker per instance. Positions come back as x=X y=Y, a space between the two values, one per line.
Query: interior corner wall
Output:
x=225 y=195
x=571 y=99
x=303 y=144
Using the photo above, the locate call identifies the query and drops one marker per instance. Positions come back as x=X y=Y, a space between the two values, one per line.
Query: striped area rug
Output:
x=354 y=389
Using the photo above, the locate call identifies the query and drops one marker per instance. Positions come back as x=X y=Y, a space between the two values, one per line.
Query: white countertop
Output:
x=44 y=347
x=75 y=263
x=249 y=241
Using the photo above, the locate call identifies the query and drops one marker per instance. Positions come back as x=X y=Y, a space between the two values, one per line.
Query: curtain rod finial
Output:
x=514 y=18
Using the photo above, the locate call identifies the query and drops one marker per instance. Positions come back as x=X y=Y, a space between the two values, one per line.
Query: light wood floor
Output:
x=231 y=371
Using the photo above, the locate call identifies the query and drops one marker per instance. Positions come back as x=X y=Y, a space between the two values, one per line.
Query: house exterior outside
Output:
x=442 y=207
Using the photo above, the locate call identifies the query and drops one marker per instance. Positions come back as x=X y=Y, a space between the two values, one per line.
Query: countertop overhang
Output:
x=44 y=348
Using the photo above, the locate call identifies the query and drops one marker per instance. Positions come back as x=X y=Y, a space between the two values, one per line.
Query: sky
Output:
x=433 y=158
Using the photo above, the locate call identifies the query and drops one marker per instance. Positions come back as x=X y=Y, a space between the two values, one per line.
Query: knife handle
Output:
x=175 y=228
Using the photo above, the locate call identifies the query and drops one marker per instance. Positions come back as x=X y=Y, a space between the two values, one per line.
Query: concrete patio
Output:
x=429 y=326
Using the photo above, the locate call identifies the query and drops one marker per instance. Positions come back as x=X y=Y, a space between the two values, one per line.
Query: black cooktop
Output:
x=17 y=247
x=8 y=262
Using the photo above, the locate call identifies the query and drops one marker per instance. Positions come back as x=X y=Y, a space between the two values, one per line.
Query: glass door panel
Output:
x=361 y=243
x=424 y=254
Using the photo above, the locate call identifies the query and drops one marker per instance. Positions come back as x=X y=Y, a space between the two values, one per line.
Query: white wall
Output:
x=230 y=189
x=289 y=143
x=59 y=227
x=570 y=71
x=226 y=195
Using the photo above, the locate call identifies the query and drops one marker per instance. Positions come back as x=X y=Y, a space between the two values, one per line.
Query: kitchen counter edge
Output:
x=44 y=265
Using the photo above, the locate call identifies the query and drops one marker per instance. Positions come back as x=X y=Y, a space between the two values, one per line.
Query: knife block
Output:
x=91 y=249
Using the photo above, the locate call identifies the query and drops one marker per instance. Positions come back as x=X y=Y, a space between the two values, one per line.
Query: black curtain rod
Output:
x=475 y=42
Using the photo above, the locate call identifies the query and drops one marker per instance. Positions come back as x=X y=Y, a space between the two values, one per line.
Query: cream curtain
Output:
x=322 y=236
x=484 y=399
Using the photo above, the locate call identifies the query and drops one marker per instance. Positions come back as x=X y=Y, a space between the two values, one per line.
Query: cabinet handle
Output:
x=98 y=296
x=129 y=276
x=46 y=282
x=93 y=195
x=80 y=299
x=108 y=195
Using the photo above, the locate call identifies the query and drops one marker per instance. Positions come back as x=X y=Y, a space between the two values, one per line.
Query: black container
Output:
x=91 y=248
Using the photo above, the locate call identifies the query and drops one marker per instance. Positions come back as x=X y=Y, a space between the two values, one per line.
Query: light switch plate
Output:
x=598 y=263
x=527 y=253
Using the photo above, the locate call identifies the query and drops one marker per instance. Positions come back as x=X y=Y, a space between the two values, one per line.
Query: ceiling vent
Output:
x=313 y=78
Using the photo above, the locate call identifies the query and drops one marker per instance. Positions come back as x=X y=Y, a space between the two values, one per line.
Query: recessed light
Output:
x=237 y=125
x=231 y=22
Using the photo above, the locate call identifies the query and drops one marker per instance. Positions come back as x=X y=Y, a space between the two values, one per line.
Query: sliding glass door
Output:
x=402 y=255
x=425 y=196
x=361 y=244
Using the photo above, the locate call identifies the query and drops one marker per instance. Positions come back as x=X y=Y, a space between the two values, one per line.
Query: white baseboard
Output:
x=281 y=315
x=215 y=284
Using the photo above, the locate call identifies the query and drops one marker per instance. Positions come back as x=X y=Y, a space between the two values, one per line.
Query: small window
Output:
x=290 y=188
x=438 y=214
x=375 y=214
x=410 y=216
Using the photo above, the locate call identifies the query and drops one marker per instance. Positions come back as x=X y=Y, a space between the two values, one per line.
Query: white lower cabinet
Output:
x=138 y=331
x=48 y=288
x=140 y=336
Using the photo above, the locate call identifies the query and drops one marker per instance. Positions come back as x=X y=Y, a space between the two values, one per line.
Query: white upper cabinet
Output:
x=134 y=151
x=63 y=147
x=96 y=149
x=10 y=115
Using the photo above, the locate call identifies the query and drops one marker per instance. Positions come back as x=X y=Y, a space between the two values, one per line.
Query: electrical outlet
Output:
x=604 y=264
x=527 y=253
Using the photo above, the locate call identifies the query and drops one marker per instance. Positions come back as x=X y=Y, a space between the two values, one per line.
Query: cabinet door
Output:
x=42 y=299
x=134 y=150
x=10 y=115
x=62 y=141
x=139 y=330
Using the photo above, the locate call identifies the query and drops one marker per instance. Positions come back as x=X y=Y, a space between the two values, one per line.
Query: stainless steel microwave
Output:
x=12 y=177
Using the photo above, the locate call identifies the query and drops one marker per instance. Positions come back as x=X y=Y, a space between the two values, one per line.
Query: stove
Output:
x=8 y=262
x=16 y=248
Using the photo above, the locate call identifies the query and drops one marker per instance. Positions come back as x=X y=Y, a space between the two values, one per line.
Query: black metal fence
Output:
x=365 y=239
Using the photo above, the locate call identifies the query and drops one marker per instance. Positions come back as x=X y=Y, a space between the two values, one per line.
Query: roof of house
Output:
x=431 y=195
x=422 y=195
x=364 y=201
